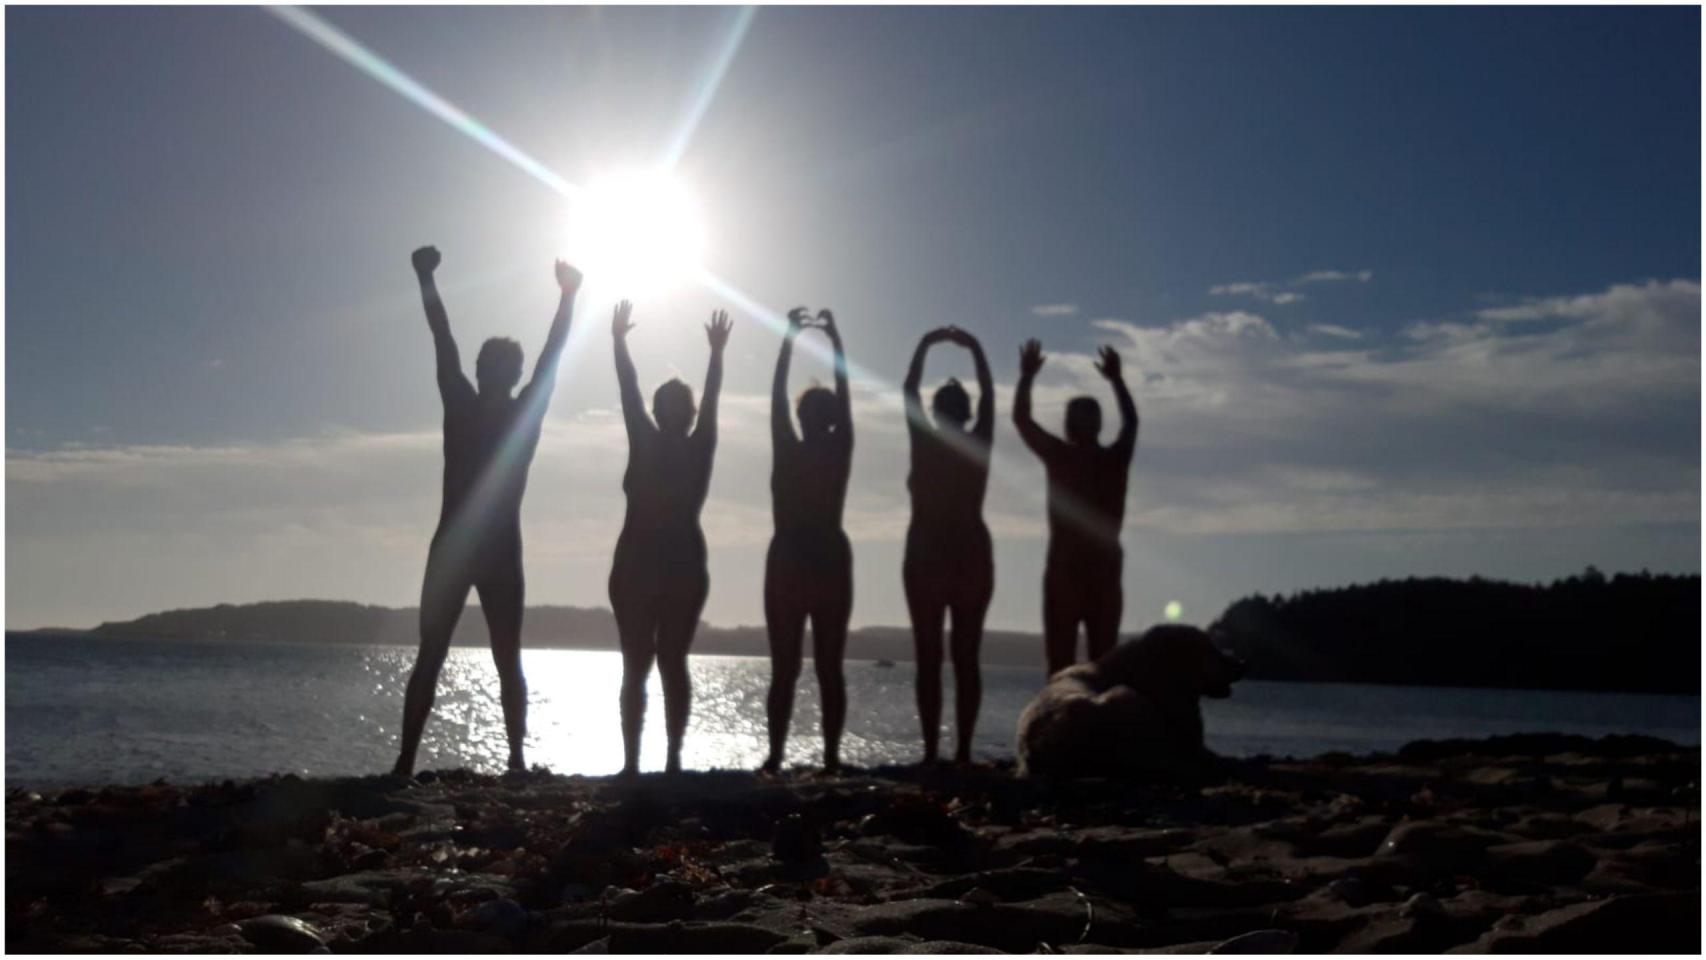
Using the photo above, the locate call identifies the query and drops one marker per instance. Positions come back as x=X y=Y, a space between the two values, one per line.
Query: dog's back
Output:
x=1132 y=712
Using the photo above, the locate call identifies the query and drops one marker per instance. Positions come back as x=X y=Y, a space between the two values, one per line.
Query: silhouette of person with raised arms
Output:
x=809 y=569
x=659 y=578
x=1086 y=505
x=949 y=565
x=489 y=440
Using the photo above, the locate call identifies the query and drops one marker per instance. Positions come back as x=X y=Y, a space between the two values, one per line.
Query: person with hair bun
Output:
x=949 y=567
x=808 y=572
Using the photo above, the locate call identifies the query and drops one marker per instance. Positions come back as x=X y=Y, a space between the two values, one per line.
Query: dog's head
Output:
x=1173 y=660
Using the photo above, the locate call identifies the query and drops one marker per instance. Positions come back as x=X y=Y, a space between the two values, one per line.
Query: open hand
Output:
x=1030 y=358
x=717 y=331
x=1110 y=365
x=425 y=260
x=568 y=278
x=619 y=322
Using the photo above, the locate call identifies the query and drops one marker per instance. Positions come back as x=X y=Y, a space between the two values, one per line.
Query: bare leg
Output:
x=829 y=647
x=443 y=594
x=502 y=600
x=968 y=680
x=1060 y=620
x=786 y=626
x=1102 y=615
x=636 y=625
x=676 y=625
x=926 y=610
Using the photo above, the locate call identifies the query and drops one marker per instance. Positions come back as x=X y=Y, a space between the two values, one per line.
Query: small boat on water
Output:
x=885 y=663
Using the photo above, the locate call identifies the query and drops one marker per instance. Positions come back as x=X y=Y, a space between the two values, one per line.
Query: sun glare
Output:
x=634 y=234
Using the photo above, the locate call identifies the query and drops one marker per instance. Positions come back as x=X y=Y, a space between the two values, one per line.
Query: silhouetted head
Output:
x=498 y=368
x=1173 y=660
x=1083 y=419
x=817 y=409
x=951 y=405
x=672 y=407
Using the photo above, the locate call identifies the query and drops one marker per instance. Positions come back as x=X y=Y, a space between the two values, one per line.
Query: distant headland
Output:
x=1637 y=633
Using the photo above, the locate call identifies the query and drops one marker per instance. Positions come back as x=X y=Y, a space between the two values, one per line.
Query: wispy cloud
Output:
x=1622 y=303
x=1335 y=276
x=1284 y=292
x=1248 y=288
x=1590 y=420
x=1055 y=309
x=1257 y=290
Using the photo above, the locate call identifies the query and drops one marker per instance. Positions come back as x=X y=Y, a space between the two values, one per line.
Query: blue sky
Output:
x=1404 y=291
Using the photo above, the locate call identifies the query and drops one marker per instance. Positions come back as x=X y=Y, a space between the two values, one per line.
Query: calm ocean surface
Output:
x=84 y=711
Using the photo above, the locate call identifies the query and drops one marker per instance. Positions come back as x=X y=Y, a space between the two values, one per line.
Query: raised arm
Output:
x=717 y=332
x=844 y=431
x=781 y=419
x=627 y=381
x=1126 y=442
x=915 y=419
x=545 y=368
x=984 y=427
x=450 y=378
x=1041 y=442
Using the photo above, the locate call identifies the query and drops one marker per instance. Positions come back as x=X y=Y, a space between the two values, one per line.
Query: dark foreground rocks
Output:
x=1518 y=844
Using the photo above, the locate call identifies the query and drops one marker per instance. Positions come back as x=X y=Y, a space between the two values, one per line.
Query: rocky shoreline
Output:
x=1513 y=844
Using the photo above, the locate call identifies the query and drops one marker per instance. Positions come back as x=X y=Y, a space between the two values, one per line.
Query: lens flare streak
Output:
x=317 y=29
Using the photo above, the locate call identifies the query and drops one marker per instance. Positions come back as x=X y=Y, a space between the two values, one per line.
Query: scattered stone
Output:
x=1652 y=923
x=1258 y=941
x=275 y=933
x=1454 y=851
x=502 y=916
x=1438 y=848
x=655 y=904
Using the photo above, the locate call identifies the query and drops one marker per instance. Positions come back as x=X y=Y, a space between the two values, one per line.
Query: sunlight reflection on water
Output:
x=85 y=710
x=572 y=713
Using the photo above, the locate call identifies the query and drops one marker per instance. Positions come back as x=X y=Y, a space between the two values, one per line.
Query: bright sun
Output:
x=634 y=234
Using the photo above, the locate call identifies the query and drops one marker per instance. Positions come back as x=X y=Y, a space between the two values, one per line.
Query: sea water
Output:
x=93 y=710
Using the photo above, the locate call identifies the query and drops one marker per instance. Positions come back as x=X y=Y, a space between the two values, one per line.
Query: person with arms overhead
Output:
x=489 y=440
x=950 y=565
x=809 y=569
x=1086 y=506
x=659 y=579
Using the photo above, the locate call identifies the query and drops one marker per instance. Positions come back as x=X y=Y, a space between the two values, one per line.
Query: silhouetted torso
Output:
x=950 y=475
x=808 y=486
x=666 y=483
x=488 y=446
x=1086 y=499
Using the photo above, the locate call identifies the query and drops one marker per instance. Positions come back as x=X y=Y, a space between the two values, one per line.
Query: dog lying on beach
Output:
x=1133 y=712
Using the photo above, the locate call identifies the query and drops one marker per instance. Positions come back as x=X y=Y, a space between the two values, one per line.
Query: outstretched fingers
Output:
x=717 y=331
x=619 y=322
x=1031 y=356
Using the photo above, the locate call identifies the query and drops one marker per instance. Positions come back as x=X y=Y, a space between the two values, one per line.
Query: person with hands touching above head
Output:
x=659 y=578
x=489 y=441
x=808 y=572
x=949 y=566
x=1086 y=506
